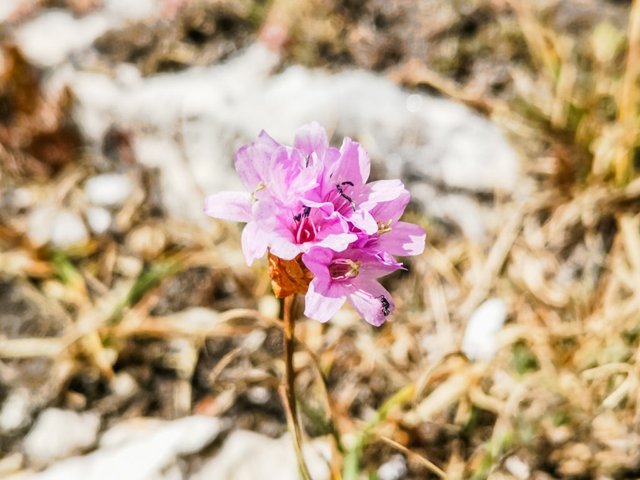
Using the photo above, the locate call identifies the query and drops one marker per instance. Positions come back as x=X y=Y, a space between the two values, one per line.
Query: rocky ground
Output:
x=134 y=341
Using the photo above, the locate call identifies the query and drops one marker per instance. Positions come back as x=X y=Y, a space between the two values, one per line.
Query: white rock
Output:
x=55 y=35
x=141 y=449
x=259 y=395
x=10 y=464
x=517 y=467
x=62 y=228
x=123 y=385
x=40 y=224
x=108 y=189
x=15 y=411
x=52 y=36
x=461 y=209
x=128 y=10
x=394 y=469
x=59 y=433
x=21 y=198
x=250 y=456
x=99 y=93
x=130 y=430
x=68 y=229
x=99 y=219
x=480 y=340
x=216 y=109
x=7 y=7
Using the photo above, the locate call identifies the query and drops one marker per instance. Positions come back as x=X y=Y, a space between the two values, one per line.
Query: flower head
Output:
x=329 y=233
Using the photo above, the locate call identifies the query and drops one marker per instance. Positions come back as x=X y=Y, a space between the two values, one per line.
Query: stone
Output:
x=25 y=312
x=393 y=469
x=440 y=148
x=59 y=227
x=54 y=35
x=248 y=455
x=15 y=411
x=68 y=230
x=99 y=219
x=32 y=382
x=59 y=433
x=40 y=224
x=480 y=340
x=7 y=8
x=139 y=449
x=108 y=189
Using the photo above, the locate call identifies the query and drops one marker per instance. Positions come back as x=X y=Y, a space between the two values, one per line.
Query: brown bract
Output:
x=288 y=276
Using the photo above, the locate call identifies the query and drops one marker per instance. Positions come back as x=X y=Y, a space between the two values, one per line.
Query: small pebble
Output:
x=40 y=225
x=68 y=229
x=517 y=467
x=99 y=219
x=128 y=266
x=147 y=241
x=123 y=385
x=480 y=340
x=21 y=198
x=11 y=464
x=394 y=469
x=108 y=190
x=269 y=306
x=15 y=411
x=59 y=433
x=258 y=395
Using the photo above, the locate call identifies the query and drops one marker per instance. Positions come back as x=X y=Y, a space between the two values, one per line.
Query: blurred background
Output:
x=135 y=343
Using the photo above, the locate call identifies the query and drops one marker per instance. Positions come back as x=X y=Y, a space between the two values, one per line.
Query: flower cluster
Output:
x=311 y=203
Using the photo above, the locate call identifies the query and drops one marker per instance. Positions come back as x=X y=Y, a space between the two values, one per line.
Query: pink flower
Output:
x=276 y=178
x=392 y=236
x=350 y=275
x=313 y=200
x=368 y=258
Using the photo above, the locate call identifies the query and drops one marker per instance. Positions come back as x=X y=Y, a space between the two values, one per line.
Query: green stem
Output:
x=289 y=394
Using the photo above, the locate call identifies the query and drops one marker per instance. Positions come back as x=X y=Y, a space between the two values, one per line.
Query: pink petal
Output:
x=364 y=221
x=234 y=206
x=254 y=242
x=379 y=265
x=284 y=171
x=284 y=248
x=253 y=161
x=392 y=210
x=373 y=302
x=317 y=260
x=337 y=242
x=321 y=307
x=311 y=138
x=385 y=191
x=404 y=239
x=354 y=164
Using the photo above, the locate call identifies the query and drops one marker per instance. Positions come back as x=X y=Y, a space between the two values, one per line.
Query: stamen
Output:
x=252 y=195
x=384 y=227
x=344 y=195
x=344 y=268
x=304 y=214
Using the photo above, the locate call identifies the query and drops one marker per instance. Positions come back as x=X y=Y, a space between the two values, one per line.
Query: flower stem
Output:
x=288 y=386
